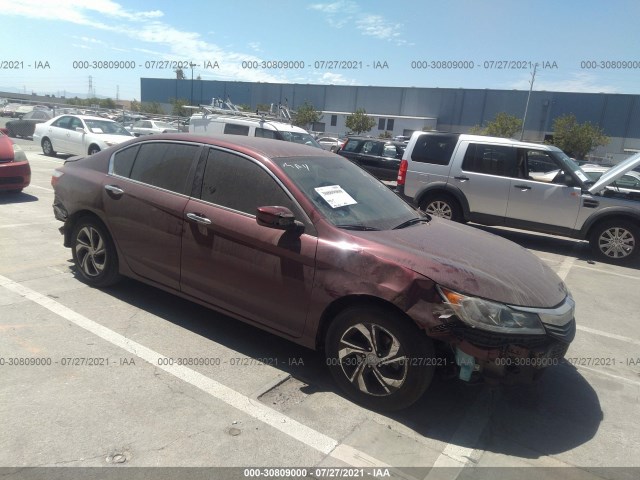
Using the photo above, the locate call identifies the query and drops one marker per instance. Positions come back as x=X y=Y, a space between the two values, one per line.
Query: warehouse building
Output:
x=401 y=110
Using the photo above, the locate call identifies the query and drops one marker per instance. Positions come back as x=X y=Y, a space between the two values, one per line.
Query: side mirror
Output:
x=280 y=218
x=80 y=129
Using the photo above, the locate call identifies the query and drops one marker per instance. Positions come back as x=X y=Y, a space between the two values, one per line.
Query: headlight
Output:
x=493 y=316
x=18 y=154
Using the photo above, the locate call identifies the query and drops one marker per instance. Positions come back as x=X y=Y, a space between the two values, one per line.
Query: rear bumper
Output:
x=14 y=175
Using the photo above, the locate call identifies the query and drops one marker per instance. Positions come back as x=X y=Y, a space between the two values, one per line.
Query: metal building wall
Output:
x=456 y=109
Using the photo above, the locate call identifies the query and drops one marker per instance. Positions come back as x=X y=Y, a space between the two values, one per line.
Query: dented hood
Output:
x=614 y=173
x=469 y=261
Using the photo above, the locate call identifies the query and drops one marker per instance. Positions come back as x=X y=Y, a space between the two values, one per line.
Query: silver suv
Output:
x=498 y=181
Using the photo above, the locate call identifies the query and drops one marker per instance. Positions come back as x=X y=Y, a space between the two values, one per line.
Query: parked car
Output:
x=305 y=245
x=25 y=126
x=379 y=157
x=497 y=181
x=332 y=144
x=78 y=134
x=627 y=183
x=20 y=111
x=15 y=172
x=148 y=127
x=9 y=109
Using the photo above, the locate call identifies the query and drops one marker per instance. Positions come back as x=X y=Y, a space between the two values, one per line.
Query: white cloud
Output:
x=343 y=12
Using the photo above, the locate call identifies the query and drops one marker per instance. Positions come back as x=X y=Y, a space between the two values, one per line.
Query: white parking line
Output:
x=41 y=188
x=622 y=275
x=249 y=406
x=613 y=336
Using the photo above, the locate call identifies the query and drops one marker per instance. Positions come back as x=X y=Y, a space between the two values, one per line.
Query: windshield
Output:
x=103 y=126
x=300 y=137
x=571 y=164
x=345 y=194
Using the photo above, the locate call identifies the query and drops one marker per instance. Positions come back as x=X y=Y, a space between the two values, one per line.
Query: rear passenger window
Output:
x=351 y=146
x=164 y=165
x=264 y=133
x=123 y=161
x=491 y=159
x=233 y=129
x=238 y=183
x=434 y=149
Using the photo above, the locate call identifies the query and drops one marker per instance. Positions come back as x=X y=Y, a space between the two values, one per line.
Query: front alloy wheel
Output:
x=379 y=358
x=94 y=254
x=616 y=241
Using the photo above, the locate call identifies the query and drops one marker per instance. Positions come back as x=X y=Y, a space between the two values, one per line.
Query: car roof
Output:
x=267 y=147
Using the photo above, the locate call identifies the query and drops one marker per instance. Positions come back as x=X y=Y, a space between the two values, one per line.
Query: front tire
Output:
x=47 y=147
x=616 y=241
x=379 y=358
x=442 y=206
x=93 y=149
x=94 y=253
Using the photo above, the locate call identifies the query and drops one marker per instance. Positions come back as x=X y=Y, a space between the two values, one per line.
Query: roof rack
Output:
x=278 y=112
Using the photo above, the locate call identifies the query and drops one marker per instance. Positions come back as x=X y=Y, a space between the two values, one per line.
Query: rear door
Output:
x=144 y=199
x=228 y=260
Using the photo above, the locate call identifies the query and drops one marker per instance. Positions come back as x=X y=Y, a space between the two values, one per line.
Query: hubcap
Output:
x=90 y=252
x=372 y=359
x=438 y=208
x=616 y=242
x=46 y=145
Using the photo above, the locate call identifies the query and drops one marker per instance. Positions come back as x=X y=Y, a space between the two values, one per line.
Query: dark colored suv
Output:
x=303 y=244
x=379 y=157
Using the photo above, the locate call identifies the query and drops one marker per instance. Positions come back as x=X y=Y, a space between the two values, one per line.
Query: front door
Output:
x=228 y=260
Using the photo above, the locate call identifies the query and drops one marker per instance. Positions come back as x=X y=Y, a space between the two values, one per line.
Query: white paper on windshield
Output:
x=97 y=130
x=335 y=196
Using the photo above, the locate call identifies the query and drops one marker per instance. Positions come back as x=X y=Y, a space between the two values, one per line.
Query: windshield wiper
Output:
x=363 y=228
x=411 y=221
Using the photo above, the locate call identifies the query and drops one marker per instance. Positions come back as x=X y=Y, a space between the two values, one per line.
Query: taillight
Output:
x=55 y=177
x=402 y=172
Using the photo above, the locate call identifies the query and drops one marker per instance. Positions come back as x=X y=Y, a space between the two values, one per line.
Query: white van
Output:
x=248 y=125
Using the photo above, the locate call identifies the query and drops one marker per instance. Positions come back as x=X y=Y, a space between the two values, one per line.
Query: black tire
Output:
x=94 y=254
x=93 y=149
x=359 y=373
x=47 y=147
x=616 y=241
x=443 y=206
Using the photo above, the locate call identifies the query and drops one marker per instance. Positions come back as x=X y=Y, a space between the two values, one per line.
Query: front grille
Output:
x=564 y=333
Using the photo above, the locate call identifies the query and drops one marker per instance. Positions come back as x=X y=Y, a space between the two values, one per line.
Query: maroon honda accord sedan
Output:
x=306 y=245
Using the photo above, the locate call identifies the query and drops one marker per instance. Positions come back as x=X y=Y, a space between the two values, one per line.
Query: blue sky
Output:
x=398 y=32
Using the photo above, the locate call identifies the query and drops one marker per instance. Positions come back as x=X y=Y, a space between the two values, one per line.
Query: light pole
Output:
x=533 y=77
x=191 y=64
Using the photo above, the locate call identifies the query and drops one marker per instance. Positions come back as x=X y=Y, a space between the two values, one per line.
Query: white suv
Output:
x=498 y=181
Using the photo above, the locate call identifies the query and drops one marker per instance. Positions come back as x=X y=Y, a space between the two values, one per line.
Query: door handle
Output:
x=115 y=191
x=522 y=187
x=462 y=179
x=199 y=218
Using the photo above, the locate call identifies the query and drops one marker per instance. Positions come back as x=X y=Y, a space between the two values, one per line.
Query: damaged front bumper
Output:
x=508 y=358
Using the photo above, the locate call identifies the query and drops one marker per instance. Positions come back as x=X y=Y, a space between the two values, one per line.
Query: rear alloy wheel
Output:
x=379 y=358
x=616 y=241
x=93 y=149
x=94 y=254
x=441 y=206
x=47 y=147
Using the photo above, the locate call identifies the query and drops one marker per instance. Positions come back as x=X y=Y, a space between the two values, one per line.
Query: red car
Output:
x=295 y=240
x=15 y=173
